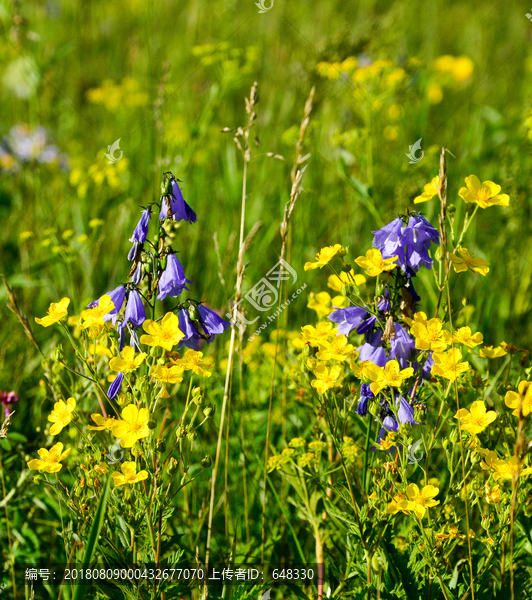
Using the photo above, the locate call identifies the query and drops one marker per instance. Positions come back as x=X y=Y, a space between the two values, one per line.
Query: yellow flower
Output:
x=430 y=190
x=98 y=349
x=101 y=469
x=61 y=415
x=448 y=365
x=374 y=263
x=319 y=336
x=504 y=468
x=171 y=374
x=419 y=501
x=430 y=335
x=57 y=311
x=361 y=370
x=128 y=362
x=166 y=335
x=390 y=375
x=297 y=443
x=494 y=494
x=399 y=503
x=338 y=350
x=326 y=378
x=194 y=361
x=93 y=317
x=477 y=419
x=336 y=282
x=491 y=352
x=419 y=317
x=465 y=336
x=485 y=194
x=129 y=474
x=50 y=460
x=512 y=399
x=469 y=261
x=102 y=423
x=317 y=446
x=323 y=257
x=133 y=427
x=324 y=305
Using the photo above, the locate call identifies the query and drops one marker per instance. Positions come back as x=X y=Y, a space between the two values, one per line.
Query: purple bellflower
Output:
x=141 y=230
x=115 y=386
x=173 y=280
x=181 y=211
x=135 y=311
x=348 y=319
x=212 y=323
x=117 y=296
x=410 y=243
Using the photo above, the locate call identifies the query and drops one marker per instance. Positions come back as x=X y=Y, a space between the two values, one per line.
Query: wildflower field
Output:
x=266 y=301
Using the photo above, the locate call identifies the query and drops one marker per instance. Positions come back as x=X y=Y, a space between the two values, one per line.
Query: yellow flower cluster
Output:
x=306 y=455
x=503 y=468
x=415 y=501
x=127 y=94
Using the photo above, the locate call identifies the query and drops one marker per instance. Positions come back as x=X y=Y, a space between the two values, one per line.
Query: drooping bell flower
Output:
x=405 y=411
x=173 y=280
x=117 y=297
x=212 y=323
x=180 y=210
x=348 y=318
x=191 y=336
x=372 y=349
x=401 y=345
x=115 y=386
x=135 y=311
x=141 y=230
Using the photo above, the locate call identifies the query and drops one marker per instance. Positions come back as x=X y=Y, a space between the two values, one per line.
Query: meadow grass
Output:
x=166 y=79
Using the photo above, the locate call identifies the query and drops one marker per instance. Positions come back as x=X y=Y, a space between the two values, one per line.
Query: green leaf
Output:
x=92 y=542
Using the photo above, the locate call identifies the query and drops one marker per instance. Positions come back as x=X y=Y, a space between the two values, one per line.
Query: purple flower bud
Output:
x=173 y=280
x=115 y=386
x=135 y=311
x=133 y=252
x=384 y=305
x=181 y=211
x=137 y=275
x=141 y=230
